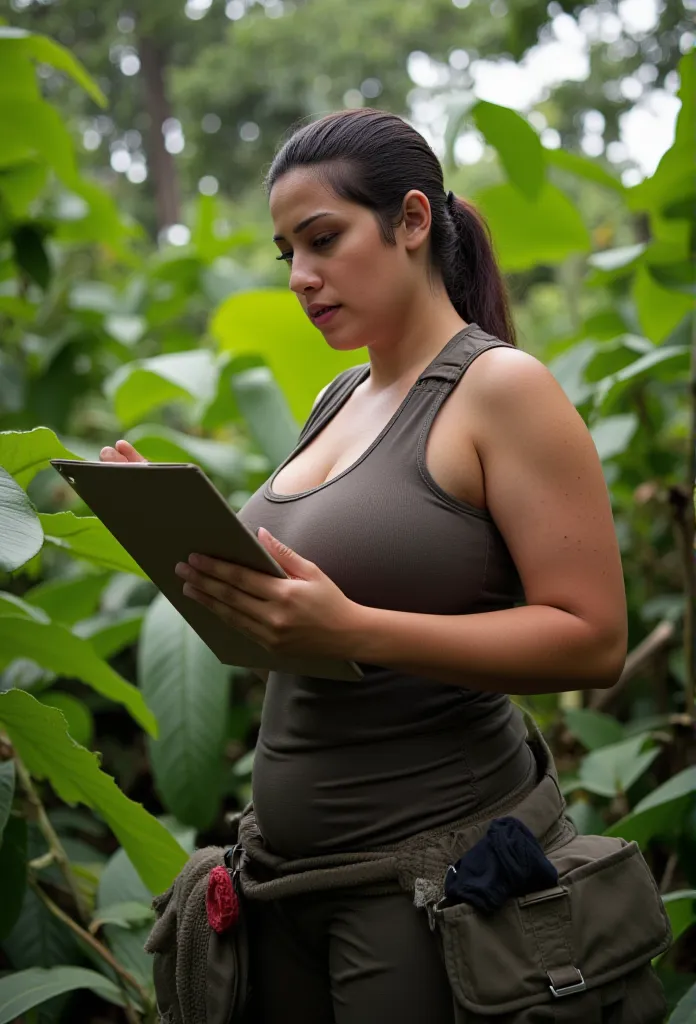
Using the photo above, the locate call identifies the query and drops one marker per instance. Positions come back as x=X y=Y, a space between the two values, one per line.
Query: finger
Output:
x=111 y=455
x=232 y=617
x=127 y=449
x=259 y=584
x=222 y=592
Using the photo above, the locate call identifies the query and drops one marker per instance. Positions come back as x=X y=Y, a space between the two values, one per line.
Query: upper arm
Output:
x=546 y=491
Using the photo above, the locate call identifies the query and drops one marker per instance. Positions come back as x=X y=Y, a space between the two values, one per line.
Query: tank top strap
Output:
x=333 y=396
x=456 y=357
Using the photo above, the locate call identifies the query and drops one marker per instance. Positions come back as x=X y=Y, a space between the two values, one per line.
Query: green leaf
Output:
x=593 y=728
x=615 y=263
x=10 y=604
x=615 y=354
x=87 y=537
x=685 y=1010
x=13 y=874
x=110 y=633
x=24 y=452
x=162 y=444
x=140 y=386
x=661 y=812
x=54 y=647
x=20 y=185
x=68 y=600
x=21 y=536
x=41 y=739
x=76 y=714
x=659 y=309
x=125 y=914
x=21 y=991
x=34 y=128
x=586 y=818
x=583 y=168
x=613 y=769
x=681 y=910
x=527 y=233
x=188 y=690
x=518 y=146
x=126 y=329
x=669 y=362
x=46 y=51
x=7 y=788
x=266 y=412
x=30 y=254
x=271 y=324
x=613 y=434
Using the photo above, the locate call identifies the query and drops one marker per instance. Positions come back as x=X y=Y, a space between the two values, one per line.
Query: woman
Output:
x=432 y=490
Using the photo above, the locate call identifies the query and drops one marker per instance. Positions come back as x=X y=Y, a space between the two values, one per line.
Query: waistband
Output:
x=264 y=875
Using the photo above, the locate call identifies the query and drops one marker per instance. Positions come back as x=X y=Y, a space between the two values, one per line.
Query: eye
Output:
x=318 y=243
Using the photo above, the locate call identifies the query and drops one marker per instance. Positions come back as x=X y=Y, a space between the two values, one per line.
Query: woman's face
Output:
x=339 y=259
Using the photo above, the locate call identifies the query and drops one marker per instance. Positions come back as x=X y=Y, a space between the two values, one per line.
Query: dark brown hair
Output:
x=374 y=158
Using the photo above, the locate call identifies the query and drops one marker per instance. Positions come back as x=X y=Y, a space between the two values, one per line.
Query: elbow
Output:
x=609 y=659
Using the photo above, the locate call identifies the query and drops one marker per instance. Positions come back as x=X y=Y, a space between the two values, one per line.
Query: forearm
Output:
x=531 y=649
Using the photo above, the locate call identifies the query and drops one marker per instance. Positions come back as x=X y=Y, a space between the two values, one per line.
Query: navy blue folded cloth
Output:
x=507 y=862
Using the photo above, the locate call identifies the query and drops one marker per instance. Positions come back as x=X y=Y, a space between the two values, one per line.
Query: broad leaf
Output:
x=527 y=233
x=613 y=434
x=271 y=324
x=659 y=309
x=188 y=690
x=21 y=991
x=661 y=812
x=34 y=128
x=24 y=452
x=681 y=910
x=126 y=329
x=54 y=647
x=68 y=600
x=685 y=1010
x=87 y=537
x=266 y=412
x=126 y=914
x=140 y=386
x=13 y=874
x=76 y=713
x=7 y=788
x=10 y=604
x=40 y=737
x=583 y=168
x=613 y=769
x=21 y=536
x=668 y=362
x=592 y=728
x=110 y=633
x=518 y=146
x=162 y=444
x=46 y=51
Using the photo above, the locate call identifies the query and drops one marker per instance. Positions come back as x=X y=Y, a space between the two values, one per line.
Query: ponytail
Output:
x=373 y=158
x=472 y=277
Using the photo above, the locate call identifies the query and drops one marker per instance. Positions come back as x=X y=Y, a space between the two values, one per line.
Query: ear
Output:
x=417 y=219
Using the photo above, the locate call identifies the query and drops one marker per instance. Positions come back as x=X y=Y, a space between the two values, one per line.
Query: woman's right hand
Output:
x=122 y=451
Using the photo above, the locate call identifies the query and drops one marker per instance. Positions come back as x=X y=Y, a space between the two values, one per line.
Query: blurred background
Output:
x=140 y=298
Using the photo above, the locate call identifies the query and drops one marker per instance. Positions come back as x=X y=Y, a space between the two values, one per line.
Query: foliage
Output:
x=198 y=359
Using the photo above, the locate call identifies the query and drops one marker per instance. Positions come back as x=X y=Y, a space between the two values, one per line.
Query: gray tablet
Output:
x=161 y=512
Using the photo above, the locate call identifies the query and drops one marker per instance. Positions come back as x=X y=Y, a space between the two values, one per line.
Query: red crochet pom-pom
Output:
x=221 y=901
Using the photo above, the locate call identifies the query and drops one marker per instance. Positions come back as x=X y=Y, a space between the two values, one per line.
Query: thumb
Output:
x=295 y=565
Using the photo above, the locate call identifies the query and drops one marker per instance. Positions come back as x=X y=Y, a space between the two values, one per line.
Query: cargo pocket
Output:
x=578 y=953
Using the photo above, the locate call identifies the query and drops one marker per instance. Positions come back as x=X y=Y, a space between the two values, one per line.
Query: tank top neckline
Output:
x=322 y=421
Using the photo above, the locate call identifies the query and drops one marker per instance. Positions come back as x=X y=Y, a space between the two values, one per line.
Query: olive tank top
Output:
x=343 y=766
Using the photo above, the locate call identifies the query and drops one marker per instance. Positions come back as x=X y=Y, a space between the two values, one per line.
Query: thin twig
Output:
x=645 y=650
x=97 y=946
x=55 y=847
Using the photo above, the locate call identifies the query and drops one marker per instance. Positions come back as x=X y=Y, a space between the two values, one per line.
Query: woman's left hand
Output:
x=304 y=615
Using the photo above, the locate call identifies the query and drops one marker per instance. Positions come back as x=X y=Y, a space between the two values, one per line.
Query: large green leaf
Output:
x=267 y=413
x=87 y=537
x=188 y=690
x=681 y=910
x=527 y=233
x=54 y=647
x=661 y=812
x=583 y=168
x=685 y=1010
x=21 y=991
x=659 y=309
x=110 y=632
x=271 y=324
x=40 y=737
x=19 y=186
x=613 y=769
x=140 y=386
x=7 y=787
x=518 y=146
x=68 y=600
x=612 y=434
x=21 y=536
x=10 y=604
x=670 y=362
x=24 y=452
x=46 y=51
x=75 y=712
x=13 y=874
x=162 y=444
x=592 y=728
x=33 y=128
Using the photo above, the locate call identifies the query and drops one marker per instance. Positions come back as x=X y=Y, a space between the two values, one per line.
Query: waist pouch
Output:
x=577 y=953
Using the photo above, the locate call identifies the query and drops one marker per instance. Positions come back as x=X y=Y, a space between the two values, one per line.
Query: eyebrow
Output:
x=303 y=224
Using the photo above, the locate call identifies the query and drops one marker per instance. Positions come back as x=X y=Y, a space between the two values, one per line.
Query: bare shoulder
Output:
x=500 y=373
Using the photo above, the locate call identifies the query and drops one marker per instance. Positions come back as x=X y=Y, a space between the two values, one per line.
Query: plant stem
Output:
x=55 y=847
x=106 y=954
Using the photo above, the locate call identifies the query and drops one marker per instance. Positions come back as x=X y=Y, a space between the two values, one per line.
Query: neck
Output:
x=427 y=325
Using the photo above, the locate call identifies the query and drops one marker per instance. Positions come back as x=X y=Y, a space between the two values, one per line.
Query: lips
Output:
x=317 y=311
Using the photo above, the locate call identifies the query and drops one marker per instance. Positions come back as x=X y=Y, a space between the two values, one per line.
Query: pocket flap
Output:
x=604 y=919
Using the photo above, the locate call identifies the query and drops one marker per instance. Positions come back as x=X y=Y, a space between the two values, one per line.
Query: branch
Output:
x=646 y=649
x=99 y=948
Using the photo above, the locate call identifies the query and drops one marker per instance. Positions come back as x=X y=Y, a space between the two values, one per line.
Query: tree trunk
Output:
x=162 y=167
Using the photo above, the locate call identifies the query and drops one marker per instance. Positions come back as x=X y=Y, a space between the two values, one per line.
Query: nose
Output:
x=303 y=276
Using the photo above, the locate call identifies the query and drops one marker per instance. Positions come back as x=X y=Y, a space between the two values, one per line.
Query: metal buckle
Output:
x=568 y=990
